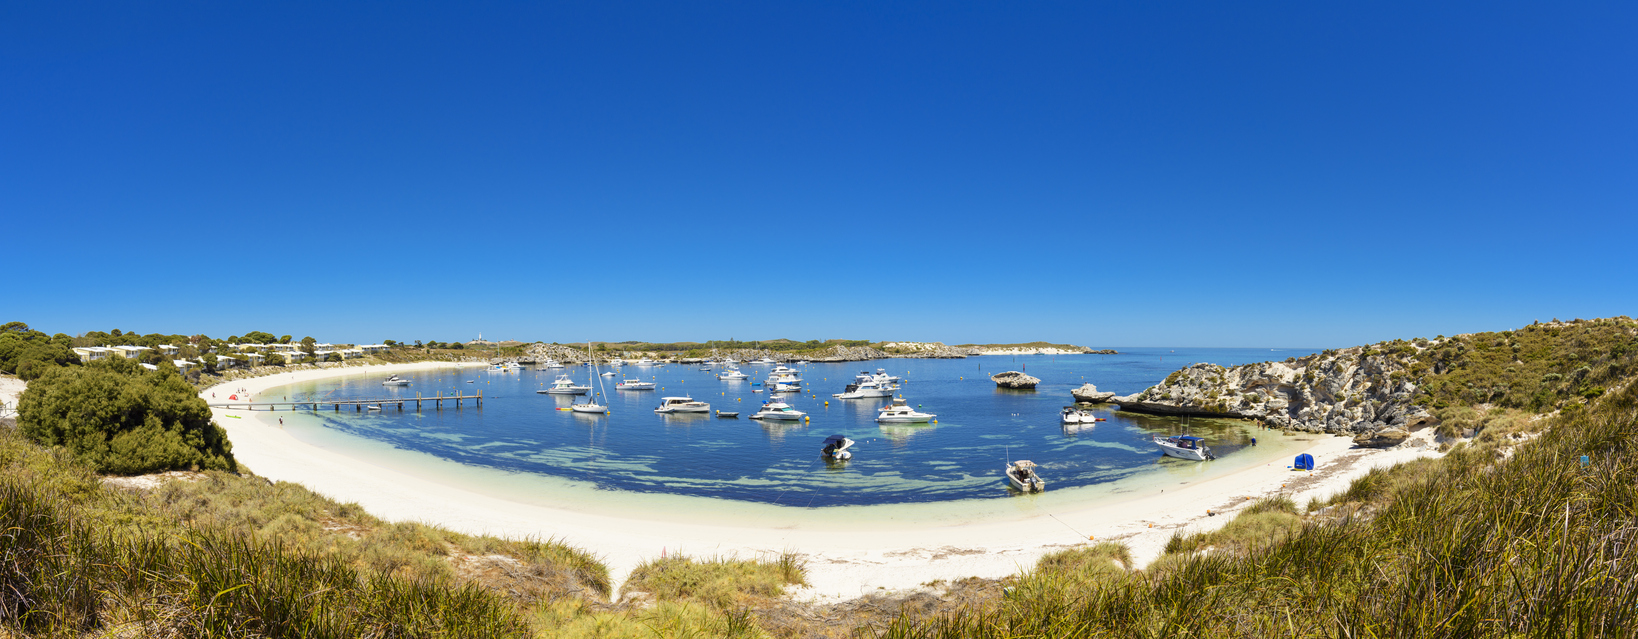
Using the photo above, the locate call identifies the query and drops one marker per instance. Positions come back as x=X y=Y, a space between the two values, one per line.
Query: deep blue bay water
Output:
x=632 y=449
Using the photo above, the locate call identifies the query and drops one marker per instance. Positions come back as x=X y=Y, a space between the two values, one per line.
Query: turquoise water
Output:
x=960 y=457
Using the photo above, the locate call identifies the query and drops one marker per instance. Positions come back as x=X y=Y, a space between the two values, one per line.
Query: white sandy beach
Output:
x=841 y=564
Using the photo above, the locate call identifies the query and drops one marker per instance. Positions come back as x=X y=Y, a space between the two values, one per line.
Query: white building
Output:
x=351 y=353
x=252 y=347
x=183 y=365
x=93 y=353
x=167 y=349
x=224 y=362
x=131 y=352
x=371 y=349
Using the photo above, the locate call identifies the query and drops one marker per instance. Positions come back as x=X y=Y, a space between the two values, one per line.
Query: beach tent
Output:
x=1305 y=461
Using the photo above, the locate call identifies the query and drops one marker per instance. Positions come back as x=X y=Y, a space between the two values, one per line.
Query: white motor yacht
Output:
x=881 y=375
x=781 y=387
x=1072 y=415
x=552 y=363
x=395 y=381
x=1184 y=447
x=776 y=409
x=900 y=412
x=764 y=360
x=634 y=384
x=564 y=386
x=617 y=362
x=682 y=405
x=867 y=389
x=785 y=378
x=1022 y=475
x=730 y=372
x=646 y=362
x=606 y=374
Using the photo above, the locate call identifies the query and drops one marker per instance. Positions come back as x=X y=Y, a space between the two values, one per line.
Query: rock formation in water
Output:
x=1356 y=390
x=1014 y=379
x=1089 y=394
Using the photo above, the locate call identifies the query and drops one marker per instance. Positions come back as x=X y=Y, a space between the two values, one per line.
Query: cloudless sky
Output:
x=1201 y=174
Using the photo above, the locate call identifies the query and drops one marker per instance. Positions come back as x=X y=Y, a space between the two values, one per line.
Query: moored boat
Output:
x=779 y=410
x=682 y=405
x=901 y=412
x=1184 y=447
x=1022 y=475
x=564 y=386
x=395 y=381
x=634 y=384
x=836 y=448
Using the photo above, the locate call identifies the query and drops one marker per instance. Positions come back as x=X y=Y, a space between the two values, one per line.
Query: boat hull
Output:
x=905 y=419
x=687 y=409
x=1191 y=454
x=567 y=391
x=780 y=416
x=589 y=409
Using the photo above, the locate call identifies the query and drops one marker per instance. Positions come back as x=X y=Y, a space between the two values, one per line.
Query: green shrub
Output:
x=118 y=418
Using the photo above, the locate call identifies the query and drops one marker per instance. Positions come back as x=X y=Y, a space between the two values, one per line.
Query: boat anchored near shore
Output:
x=1185 y=447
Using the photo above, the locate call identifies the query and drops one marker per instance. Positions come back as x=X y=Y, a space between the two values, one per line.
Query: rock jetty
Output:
x=1089 y=394
x=1352 y=390
x=1014 y=379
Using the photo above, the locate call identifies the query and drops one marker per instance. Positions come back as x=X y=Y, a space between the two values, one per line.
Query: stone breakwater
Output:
x=1352 y=390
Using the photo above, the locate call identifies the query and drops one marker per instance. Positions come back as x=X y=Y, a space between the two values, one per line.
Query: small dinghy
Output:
x=721 y=414
x=836 y=448
x=372 y=407
x=1022 y=475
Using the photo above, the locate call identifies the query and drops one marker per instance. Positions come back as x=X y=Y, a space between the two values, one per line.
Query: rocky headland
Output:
x=1360 y=390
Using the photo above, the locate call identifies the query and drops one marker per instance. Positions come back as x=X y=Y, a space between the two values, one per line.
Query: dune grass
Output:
x=1477 y=544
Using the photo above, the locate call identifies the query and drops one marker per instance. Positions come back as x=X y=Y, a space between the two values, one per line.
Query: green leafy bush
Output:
x=118 y=418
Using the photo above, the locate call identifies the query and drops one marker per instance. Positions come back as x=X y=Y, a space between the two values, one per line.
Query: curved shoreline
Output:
x=843 y=564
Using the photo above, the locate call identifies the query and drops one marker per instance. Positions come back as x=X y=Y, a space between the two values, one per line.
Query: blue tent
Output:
x=1305 y=461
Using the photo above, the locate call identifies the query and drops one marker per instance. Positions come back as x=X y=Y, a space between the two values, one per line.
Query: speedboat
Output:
x=731 y=373
x=900 y=412
x=564 y=386
x=778 y=410
x=1072 y=415
x=836 y=448
x=646 y=362
x=781 y=387
x=552 y=363
x=607 y=374
x=863 y=390
x=1184 y=447
x=617 y=362
x=682 y=405
x=372 y=407
x=764 y=360
x=1022 y=475
x=634 y=384
x=785 y=378
x=395 y=381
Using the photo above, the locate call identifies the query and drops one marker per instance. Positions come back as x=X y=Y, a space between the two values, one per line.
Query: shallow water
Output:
x=520 y=446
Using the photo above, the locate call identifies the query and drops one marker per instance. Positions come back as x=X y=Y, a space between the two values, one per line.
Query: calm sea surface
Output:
x=633 y=449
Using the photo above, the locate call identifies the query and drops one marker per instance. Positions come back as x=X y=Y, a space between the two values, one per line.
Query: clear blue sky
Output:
x=1205 y=174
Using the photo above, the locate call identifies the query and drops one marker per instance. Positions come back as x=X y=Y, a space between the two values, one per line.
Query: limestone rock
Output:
x=1014 y=379
x=1089 y=394
x=1385 y=438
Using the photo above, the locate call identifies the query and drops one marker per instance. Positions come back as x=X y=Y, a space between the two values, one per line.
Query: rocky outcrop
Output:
x=1014 y=379
x=1385 y=438
x=1089 y=394
x=1353 y=390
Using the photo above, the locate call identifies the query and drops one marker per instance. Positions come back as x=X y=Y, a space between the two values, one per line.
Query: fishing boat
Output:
x=634 y=384
x=564 y=386
x=779 y=410
x=591 y=405
x=730 y=372
x=1022 y=475
x=682 y=405
x=865 y=390
x=836 y=448
x=395 y=381
x=900 y=412
x=1184 y=447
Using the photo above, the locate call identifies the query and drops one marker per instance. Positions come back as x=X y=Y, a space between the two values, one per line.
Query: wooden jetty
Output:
x=358 y=404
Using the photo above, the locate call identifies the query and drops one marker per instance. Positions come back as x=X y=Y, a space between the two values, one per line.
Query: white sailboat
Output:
x=591 y=405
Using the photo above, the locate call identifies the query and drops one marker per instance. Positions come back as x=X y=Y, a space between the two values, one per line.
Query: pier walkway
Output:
x=358 y=404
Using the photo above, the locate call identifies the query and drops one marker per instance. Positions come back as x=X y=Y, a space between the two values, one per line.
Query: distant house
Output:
x=351 y=353
x=371 y=349
x=255 y=359
x=224 y=362
x=167 y=349
x=252 y=347
x=284 y=348
x=183 y=365
x=130 y=352
x=93 y=353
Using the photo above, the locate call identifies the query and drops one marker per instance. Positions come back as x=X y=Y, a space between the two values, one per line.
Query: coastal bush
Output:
x=119 y=418
x=723 y=583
